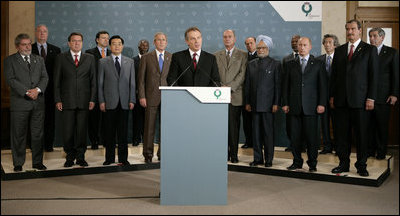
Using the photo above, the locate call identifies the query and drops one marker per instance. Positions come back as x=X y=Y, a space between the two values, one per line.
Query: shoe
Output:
x=340 y=169
x=49 y=149
x=135 y=143
x=125 y=163
x=245 y=146
x=312 y=169
x=94 y=147
x=69 y=163
x=255 y=163
x=362 y=172
x=268 y=164
x=288 y=149
x=82 y=163
x=325 y=151
x=235 y=160
x=39 y=166
x=380 y=157
x=18 y=168
x=108 y=162
x=371 y=154
x=148 y=160
x=294 y=167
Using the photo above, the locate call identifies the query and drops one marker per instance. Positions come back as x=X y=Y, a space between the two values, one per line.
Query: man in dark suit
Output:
x=193 y=67
x=96 y=122
x=49 y=53
x=116 y=97
x=330 y=42
x=262 y=97
x=354 y=82
x=304 y=96
x=75 y=94
x=26 y=75
x=388 y=92
x=138 y=112
x=153 y=72
x=250 y=43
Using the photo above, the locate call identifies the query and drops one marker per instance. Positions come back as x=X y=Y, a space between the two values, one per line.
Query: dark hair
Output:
x=379 y=30
x=193 y=28
x=20 y=37
x=143 y=41
x=254 y=38
x=74 y=33
x=98 y=35
x=356 y=21
x=116 y=37
x=335 y=39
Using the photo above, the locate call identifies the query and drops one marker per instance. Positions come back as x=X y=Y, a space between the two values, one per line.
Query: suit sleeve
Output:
x=277 y=81
x=373 y=73
x=93 y=80
x=132 y=90
x=142 y=78
x=57 y=79
x=44 y=78
x=214 y=72
x=322 y=85
x=100 y=84
x=9 y=73
x=332 y=80
x=173 y=70
x=239 y=78
x=395 y=74
x=247 y=86
x=285 y=85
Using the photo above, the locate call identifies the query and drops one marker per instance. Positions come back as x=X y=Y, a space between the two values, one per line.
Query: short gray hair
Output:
x=379 y=30
x=20 y=37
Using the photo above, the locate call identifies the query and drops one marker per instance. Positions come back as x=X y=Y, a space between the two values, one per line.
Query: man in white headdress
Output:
x=262 y=96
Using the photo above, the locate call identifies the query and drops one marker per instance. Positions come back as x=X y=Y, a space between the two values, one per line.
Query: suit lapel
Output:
x=22 y=62
x=167 y=59
x=309 y=62
x=111 y=64
x=33 y=62
x=190 y=60
x=154 y=59
x=69 y=58
x=358 y=50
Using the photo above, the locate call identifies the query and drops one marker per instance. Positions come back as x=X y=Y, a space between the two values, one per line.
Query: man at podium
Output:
x=193 y=67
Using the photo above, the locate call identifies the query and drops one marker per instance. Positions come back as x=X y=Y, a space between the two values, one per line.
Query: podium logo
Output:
x=217 y=93
x=306 y=8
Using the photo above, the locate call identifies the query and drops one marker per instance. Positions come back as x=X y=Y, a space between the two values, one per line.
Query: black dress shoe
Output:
x=288 y=149
x=39 y=167
x=108 y=162
x=49 y=149
x=312 y=169
x=325 y=151
x=148 y=160
x=18 y=168
x=256 y=163
x=380 y=157
x=68 y=163
x=135 y=143
x=94 y=147
x=268 y=164
x=294 y=167
x=340 y=169
x=82 y=163
x=245 y=146
x=370 y=154
x=362 y=172
x=235 y=160
x=125 y=163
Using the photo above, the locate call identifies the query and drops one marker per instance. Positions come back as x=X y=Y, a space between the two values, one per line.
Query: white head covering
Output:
x=267 y=40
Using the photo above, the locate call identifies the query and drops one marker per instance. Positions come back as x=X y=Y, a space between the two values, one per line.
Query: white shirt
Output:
x=331 y=55
x=23 y=58
x=306 y=57
x=73 y=55
x=158 y=55
x=355 y=46
x=380 y=48
x=119 y=58
x=197 y=56
x=231 y=51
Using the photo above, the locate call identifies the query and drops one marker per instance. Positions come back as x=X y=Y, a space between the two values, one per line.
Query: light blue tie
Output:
x=303 y=64
x=160 y=62
x=328 y=64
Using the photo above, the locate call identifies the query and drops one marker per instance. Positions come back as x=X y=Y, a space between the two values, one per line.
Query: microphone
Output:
x=184 y=71
x=216 y=85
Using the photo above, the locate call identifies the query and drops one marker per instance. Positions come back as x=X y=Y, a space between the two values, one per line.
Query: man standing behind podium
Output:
x=153 y=72
x=232 y=68
x=193 y=67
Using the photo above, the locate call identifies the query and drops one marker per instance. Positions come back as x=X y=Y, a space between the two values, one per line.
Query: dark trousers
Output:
x=18 y=134
x=263 y=136
x=247 y=127
x=303 y=128
x=75 y=126
x=94 y=125
x=326 y=117
x=358 y=119
x=233 y=130
x=116 y=129
x=138 y=123
x=379 y=130
x=151 y=113
x=49 y=121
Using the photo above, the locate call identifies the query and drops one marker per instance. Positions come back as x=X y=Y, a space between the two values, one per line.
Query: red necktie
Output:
x=351 y=52
x=194 y=60
x=76 y=60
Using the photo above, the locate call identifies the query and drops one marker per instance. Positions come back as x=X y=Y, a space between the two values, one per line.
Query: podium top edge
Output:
x=189 y=87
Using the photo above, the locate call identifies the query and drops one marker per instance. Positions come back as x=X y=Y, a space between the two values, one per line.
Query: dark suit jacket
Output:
x=97 y=56
x=150 y=77
x=251 y=57
x=206 y=70
x=388 y=78
x=352 y=82
x=328 y=73
x=136 y=61
x=75 y=86
x=262 y=84
x=52 y=52
x=304 y=92
x=20 y=80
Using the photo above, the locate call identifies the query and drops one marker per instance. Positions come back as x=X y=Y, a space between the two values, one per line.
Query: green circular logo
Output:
x=217 y=93
x=303 y=8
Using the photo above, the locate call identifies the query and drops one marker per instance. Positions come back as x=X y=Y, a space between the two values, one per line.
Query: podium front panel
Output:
x=194 y=138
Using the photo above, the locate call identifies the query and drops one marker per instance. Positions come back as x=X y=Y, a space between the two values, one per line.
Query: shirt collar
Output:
x=73 y=54
x=158 y=53
x=306 y=57
x=105 y=49
x=355 y=44
x=231 y=51
x=119 y=57
x=39 y=45
x=380 y=48
x=191 y=53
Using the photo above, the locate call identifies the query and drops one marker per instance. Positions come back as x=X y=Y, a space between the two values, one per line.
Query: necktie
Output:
x=117 y=65
x=295 y=55
x=160 y=62
x=76 y=60
x=42 y=52
x=103 y=55
x=27 y=62
x=194 y=60
x=328 y=64
x=351 y=52
x=228 y=57
x=303 y=64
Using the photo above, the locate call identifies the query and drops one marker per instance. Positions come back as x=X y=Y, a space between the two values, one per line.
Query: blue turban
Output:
x=267 y=40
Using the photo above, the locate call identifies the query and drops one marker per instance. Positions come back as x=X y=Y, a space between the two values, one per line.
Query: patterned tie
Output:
x=42 y=52
x=27 y=62
x=76 y=60
x=228 y=57
x=103 y=55
x=160 y=62
x=351 y=52
x=303 y=64
x=117 y=65
x=194 y=60
x=328 y=64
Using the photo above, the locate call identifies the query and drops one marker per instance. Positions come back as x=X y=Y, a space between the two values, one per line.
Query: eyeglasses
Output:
x=260 y=48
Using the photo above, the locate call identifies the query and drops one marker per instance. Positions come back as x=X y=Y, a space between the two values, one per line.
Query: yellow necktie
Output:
x=102 y=53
